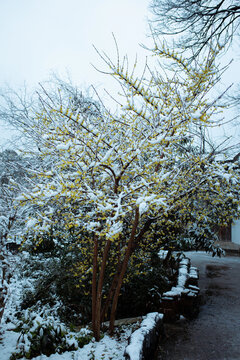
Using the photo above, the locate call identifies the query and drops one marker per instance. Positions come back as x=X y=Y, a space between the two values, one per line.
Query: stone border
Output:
x=182 y=299
x=143 y=341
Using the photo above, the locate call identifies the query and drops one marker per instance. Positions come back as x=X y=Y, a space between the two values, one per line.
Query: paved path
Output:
x=215 y=334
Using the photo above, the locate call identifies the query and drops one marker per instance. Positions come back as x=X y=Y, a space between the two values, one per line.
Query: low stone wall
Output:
x=143 y=341
x=182 y=299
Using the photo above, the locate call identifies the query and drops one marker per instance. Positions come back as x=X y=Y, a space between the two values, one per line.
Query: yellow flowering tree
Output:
x=112 y=179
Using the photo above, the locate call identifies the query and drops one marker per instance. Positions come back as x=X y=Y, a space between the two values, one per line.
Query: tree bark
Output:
x=94 y=282
x=128 y=253
x=110 y=293
x=97 y=314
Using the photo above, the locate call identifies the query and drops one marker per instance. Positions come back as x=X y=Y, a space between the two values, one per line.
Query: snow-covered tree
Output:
x=13 y=177
x=11 y=171
x=115 y=181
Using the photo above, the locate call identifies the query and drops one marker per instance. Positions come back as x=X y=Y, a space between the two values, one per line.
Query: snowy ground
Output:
x=107 y=349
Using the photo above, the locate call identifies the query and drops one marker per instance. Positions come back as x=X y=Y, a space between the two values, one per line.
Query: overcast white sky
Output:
x=38 y=37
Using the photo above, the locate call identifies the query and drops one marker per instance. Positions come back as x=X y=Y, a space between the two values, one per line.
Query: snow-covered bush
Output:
x=45 y=335
x=53 y=285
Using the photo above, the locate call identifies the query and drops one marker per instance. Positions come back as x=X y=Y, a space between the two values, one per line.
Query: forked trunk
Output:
x=128 y=253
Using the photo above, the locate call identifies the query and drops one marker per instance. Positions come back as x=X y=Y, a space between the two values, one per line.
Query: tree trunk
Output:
x=128 y=253
x=94 y=282
x=111 y=292
x=98 y=299
x=119 y=267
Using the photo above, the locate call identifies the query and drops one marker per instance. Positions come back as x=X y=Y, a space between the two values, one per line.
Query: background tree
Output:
x=200 y=22
x=196 y=26
x=13 y=176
